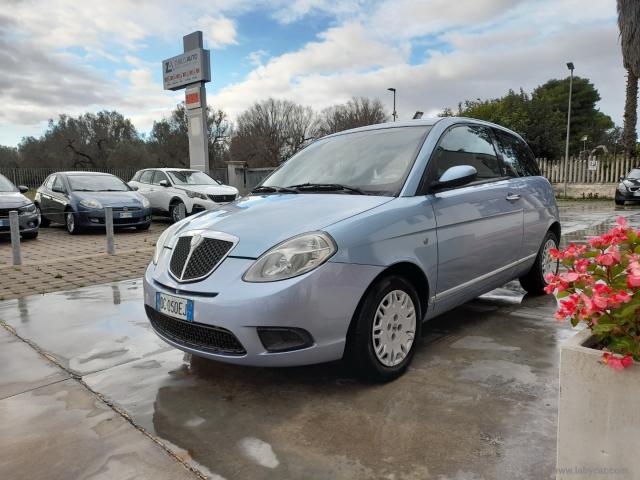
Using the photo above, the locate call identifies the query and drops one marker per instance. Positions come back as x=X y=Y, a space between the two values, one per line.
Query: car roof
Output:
x=71 y=173
x=427 y=122
x=169 y=169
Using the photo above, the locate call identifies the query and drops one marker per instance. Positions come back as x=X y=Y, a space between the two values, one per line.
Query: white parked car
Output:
x=179 y=192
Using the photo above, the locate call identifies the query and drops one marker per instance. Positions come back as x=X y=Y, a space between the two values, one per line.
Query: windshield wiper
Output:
x=267 y=189
x=328 y=187
x=82 y=190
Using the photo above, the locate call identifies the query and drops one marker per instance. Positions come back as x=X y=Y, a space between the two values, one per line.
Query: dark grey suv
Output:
x=12 y=198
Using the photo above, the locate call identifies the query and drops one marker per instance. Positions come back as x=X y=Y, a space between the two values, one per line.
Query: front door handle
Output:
x=512 y=197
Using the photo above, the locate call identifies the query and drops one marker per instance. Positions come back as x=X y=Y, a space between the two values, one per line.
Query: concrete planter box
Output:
x=598 y=415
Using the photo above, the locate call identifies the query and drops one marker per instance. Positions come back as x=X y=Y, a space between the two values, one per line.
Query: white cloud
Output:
x=491 y=46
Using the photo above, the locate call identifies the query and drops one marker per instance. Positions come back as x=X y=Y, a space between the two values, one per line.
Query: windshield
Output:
x=97 y=183
x=374 y=161
x=191 y=177
x=634 y=174
x=6 y=185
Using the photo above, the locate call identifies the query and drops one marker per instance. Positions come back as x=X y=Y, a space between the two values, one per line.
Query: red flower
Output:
x=616 y=362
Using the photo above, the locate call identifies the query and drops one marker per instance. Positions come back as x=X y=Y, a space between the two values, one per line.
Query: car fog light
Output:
x=280 y=339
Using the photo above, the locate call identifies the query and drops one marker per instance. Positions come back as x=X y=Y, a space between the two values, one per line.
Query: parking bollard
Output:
x=14 y=225
x=108 y=223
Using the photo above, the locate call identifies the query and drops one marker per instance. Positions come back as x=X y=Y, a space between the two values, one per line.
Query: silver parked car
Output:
x=351 y=244
x=12 y=198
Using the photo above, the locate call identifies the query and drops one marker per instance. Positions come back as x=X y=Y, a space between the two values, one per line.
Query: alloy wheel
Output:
x=71 y=223
x=549 y=264
x=394 y=328
x=178 y=212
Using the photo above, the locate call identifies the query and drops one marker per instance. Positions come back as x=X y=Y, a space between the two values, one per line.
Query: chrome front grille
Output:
x=222 y=198
x=195 y=256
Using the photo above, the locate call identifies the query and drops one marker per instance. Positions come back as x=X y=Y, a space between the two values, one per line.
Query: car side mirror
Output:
x=58 y=190
x=164 y=183
x=133 y=187
x=455 y=177
x=23 y=189
x=621 y=179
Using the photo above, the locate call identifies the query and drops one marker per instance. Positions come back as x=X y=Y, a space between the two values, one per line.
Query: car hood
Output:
x=112 y=199
x=262 y=221
x=13 y=199
x=210 y=189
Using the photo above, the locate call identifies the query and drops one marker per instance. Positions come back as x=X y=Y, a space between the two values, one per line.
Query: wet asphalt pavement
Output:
x=479 y=401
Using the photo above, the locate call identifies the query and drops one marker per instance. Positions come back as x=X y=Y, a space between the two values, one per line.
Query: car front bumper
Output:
x=321 y=302
x=629 y=196
x=200 y=205
x=28 y=223
x=95 y=218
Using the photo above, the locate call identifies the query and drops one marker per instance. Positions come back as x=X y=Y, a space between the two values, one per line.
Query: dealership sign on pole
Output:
x=191 y=70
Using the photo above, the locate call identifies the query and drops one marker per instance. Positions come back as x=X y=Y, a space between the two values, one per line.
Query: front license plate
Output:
x=174 y=306
x=126 y=215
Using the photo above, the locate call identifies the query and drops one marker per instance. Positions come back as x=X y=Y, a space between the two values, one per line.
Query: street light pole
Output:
x=566 y=148
x=395 y=115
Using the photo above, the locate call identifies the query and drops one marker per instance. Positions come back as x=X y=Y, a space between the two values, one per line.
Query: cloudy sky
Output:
x=66 y=56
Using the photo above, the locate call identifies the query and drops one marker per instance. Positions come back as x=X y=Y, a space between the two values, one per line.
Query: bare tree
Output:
x=270 y=132
x=357 y=112
x=629 y=23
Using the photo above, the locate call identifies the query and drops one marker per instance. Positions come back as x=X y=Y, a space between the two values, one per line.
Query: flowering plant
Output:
x=600 y=286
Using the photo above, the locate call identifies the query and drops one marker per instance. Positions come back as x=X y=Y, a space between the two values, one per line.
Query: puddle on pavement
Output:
x=480 y=396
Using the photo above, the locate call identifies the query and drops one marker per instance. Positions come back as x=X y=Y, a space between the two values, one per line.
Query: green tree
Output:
x=629 y=24
x=586 y=119
x=9 y=157
x=541 y=117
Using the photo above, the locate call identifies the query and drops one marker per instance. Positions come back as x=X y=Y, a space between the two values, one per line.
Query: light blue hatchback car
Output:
x=350 y=245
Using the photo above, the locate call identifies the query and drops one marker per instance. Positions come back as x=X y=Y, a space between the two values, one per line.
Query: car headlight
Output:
x=191 y=194
x=26 y=209
x=292 y=257
x=90 y=203
x=145 y=202
x=164 y=239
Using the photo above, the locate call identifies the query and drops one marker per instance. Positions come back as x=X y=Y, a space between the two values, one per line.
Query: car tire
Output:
x=175 y=211
x=144 y=227
x=44 y=222
x=534 y=282
x=619 y=199
x=30 y=235
x=70 y=222
x=387 y=319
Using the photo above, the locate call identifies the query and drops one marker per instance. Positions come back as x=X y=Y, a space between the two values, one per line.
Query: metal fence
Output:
x=253 y=176
x=586 y=171
x=34 y=177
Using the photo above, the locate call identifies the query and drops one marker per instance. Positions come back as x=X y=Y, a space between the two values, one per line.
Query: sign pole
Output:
x=191 y=70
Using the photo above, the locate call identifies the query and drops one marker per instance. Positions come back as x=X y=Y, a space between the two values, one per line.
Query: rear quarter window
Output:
x=518 y=157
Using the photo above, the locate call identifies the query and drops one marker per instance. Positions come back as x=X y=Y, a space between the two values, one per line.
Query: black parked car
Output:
x=12 y=198
x=77 y=199
x=629 y=187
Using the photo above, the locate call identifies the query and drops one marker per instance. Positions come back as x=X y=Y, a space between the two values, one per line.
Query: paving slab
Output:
x=479 y=401
x=22 y=368
x=62 y=432
x=88 y=329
